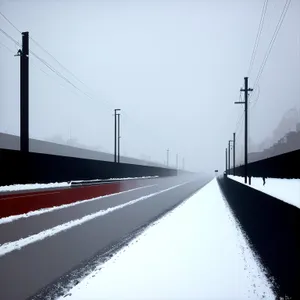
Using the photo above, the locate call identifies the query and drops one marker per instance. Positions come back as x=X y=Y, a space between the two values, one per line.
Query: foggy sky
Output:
x=175 y=69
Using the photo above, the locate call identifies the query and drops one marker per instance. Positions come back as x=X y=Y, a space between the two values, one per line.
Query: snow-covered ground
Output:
x=287 y=190
x=118 y=179
x=195 y=252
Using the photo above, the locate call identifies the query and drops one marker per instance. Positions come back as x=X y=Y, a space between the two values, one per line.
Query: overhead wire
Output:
x=269 y=50
x=4 y=46
x=9 y=22
x=272 y=42
x=60 y=64
x=258 y=35
x=9 y=37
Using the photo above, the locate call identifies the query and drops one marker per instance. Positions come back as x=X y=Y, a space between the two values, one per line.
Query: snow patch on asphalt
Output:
x=16 y=245
x=287 y=190
x=197 y=251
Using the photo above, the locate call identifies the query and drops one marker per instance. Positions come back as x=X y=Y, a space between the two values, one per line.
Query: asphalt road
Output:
x=26 y=271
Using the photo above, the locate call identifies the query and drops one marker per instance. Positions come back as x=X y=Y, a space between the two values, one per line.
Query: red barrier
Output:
x=23 y=202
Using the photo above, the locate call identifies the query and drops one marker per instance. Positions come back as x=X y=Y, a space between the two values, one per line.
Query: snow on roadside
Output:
x=287 y=190
x=195 y=252
x=33 y=186
x=118 y=179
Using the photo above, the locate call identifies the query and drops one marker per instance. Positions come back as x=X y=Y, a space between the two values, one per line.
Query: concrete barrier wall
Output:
x=286 y=165
x=22 y=168
x=12 y=142
x=273 y=229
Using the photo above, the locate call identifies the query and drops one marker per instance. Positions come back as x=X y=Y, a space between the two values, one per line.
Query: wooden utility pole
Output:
x=245 y=90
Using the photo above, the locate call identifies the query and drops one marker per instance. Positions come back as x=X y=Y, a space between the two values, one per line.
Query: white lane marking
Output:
x=17 y=245
x=53 y=208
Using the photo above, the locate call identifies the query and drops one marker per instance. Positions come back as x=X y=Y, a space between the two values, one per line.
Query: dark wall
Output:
x=286 y=165
x=12 y=142
x=17 y=167
x=272 y=227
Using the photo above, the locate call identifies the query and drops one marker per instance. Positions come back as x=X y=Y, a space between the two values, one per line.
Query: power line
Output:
x=10 y=37
x=60 y=64
x=4 y=46
x=258 y=35
x=9 y=22
x=47 y=65
x=59 y=74
x=43 y=61
x=271 y=44
x=53 y=78
x=255 y=101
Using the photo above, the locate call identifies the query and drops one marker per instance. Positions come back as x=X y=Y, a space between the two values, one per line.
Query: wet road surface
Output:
x=24 y=272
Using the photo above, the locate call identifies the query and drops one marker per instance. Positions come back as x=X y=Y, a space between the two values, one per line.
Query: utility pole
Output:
x=226 y=161
x=233 y=153
x=168 y=157
x=24 y=93
x=245 y=90
x=228 y=157
x=176 y=161
x=183 y=164
x=115 y=153
x=119 y=137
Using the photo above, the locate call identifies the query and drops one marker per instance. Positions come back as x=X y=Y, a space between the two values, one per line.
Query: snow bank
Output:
x=195 y=252
x=33 y=186
x=287 y=190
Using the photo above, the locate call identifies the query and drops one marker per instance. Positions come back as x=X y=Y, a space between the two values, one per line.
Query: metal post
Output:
x=168 y=157
x=234 y=153
x=226 y=160
x=119 y=138
x=246 y=90
x=115 y=143
x=24 y=93
x=246 y=128
x=229 y=158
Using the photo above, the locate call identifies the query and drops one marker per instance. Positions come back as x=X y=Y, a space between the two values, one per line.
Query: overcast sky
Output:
x=173 y=67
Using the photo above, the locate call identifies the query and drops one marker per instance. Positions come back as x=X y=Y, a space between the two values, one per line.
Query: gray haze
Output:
x=174 y=68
